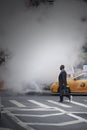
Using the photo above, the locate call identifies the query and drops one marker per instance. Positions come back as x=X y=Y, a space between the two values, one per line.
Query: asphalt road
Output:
x=43 y=112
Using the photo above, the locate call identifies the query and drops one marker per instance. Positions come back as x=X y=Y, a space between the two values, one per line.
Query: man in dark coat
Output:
x=62 y=82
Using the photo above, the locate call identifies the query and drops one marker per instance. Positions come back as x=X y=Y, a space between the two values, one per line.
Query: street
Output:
x=40 y=111
x=37 y=37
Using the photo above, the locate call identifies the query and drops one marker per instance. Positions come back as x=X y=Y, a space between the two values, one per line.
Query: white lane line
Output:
x=30 y=109
x=17 y=103
x=39 y=104
x=46 y=115
x=77 y=117
x=56 y=124
x=77 y=103
x=78 y=112
x=58 y=103
x=18 y=121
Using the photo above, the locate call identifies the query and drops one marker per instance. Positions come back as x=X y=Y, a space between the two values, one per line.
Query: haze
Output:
x=41 y=39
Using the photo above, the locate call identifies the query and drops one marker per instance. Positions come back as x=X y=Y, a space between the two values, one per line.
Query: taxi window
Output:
x=82 y=77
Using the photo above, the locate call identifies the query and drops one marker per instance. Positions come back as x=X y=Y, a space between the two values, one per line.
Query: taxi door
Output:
x=79 y=83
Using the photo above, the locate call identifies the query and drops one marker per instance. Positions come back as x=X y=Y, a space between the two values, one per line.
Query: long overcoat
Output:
x=62 y=79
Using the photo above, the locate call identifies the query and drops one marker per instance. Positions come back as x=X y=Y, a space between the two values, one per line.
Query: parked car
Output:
x=76 y=83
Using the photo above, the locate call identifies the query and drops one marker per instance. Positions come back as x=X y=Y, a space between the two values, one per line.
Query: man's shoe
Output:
x=70 y=98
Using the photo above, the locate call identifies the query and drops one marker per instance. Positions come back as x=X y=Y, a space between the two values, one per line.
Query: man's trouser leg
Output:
x=61 y=97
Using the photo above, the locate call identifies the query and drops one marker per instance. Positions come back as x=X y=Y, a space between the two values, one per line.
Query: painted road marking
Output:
x=45 y=115
x=26 y=124
x=56 y=124
x=30 y=109
x=77 y=103
x=17 y=103
x=39 y=104
x=78 y=112
x=58 y=103
x=77 y=119
x=18 y=121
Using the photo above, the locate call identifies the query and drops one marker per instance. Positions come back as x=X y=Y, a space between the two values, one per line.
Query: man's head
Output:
x=62 y=67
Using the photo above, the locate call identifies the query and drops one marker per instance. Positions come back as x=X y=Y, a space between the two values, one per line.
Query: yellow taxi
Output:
x=76 y=83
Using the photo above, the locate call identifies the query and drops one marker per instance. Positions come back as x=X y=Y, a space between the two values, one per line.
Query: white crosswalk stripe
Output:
x=57 y=110
x=59 y=104
x=17 y=103
x=77 y=103
x=38 y=103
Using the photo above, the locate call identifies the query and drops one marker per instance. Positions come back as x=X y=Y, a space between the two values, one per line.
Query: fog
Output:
x=41 y=39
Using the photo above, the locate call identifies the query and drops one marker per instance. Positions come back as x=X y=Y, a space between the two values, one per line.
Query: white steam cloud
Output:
x=41 y=39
